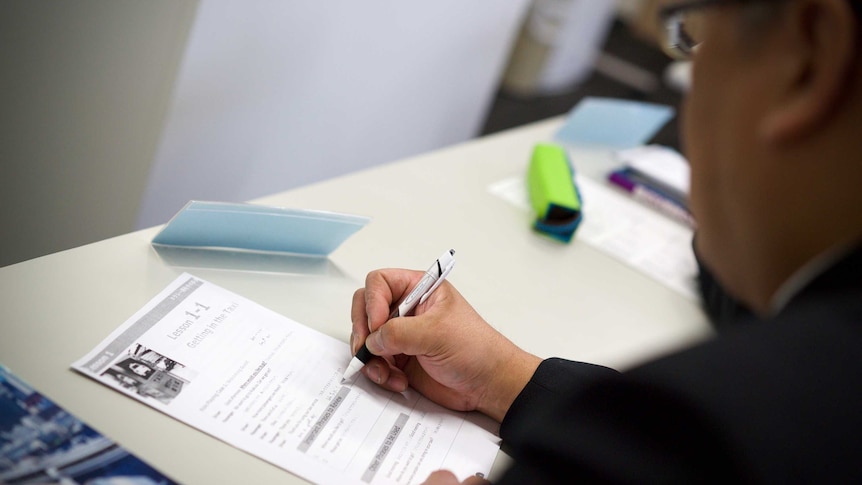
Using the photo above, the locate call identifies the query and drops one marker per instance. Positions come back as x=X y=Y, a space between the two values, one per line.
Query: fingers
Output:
x=359 y=320
x=438 y=321
x=383 y=289
x=401 y=336
x=441 y=477
x=445 y=477
x=475 y=480
x=378 y=369
x=389 y=377
x=371 y=305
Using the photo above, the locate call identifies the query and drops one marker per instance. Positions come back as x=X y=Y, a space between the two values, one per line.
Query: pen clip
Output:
x=442 y=277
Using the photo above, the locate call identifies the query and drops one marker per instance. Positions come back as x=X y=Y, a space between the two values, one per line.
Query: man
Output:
x=773 y=130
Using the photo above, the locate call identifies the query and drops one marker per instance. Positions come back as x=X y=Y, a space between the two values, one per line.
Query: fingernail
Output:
x=352 y=343
x=398 y=383
x=373 y=343
x=374 y=373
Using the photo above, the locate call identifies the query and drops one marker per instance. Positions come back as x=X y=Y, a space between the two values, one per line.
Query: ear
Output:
x=819 y=37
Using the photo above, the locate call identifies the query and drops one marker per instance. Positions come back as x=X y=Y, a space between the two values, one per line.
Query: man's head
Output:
x=773 y=130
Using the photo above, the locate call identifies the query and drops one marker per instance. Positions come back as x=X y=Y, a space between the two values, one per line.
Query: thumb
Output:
x=401 y=335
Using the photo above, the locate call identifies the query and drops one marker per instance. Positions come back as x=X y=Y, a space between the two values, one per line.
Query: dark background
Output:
x=509 y=110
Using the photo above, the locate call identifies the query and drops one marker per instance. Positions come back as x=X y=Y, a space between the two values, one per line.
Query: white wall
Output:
x=84 y=86
x=273 y=94
x=223 y=100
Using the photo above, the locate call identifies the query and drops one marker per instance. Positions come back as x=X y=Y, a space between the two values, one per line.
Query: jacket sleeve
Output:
x=554 y=379
x=769 y=403
x=773 y=401
x=577 y=423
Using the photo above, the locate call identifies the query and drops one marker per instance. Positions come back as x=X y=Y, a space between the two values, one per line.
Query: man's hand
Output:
x=445 y=477
x=446 y=351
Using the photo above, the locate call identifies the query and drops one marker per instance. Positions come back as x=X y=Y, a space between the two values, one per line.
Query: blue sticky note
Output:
x=613 y=123
x=250 y=227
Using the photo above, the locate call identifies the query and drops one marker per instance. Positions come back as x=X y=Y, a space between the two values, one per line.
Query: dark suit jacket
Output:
x=774 y=401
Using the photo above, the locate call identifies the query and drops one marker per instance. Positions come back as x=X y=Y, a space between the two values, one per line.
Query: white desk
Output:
x=570 y=300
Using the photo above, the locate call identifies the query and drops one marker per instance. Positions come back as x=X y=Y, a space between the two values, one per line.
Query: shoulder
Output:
x=773 y=401
x=776 y=392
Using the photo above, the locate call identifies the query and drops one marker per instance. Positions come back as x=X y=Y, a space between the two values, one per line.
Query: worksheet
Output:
x=626 y=230
x=272 y=387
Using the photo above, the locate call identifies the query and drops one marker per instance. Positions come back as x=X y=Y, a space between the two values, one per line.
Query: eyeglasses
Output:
x=683 y=25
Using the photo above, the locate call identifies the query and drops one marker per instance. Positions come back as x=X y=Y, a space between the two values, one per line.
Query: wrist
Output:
x=505 y=385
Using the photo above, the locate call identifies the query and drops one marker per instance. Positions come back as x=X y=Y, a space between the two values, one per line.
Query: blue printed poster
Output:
x=42 y=443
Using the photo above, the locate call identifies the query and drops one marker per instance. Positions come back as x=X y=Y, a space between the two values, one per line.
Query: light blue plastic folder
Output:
x=222 y=225
x=613 y=123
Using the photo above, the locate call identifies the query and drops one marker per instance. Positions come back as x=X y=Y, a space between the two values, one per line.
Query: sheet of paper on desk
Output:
x=661 y=163
x=626 y=230
x=272 y=387
x=611 y=122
